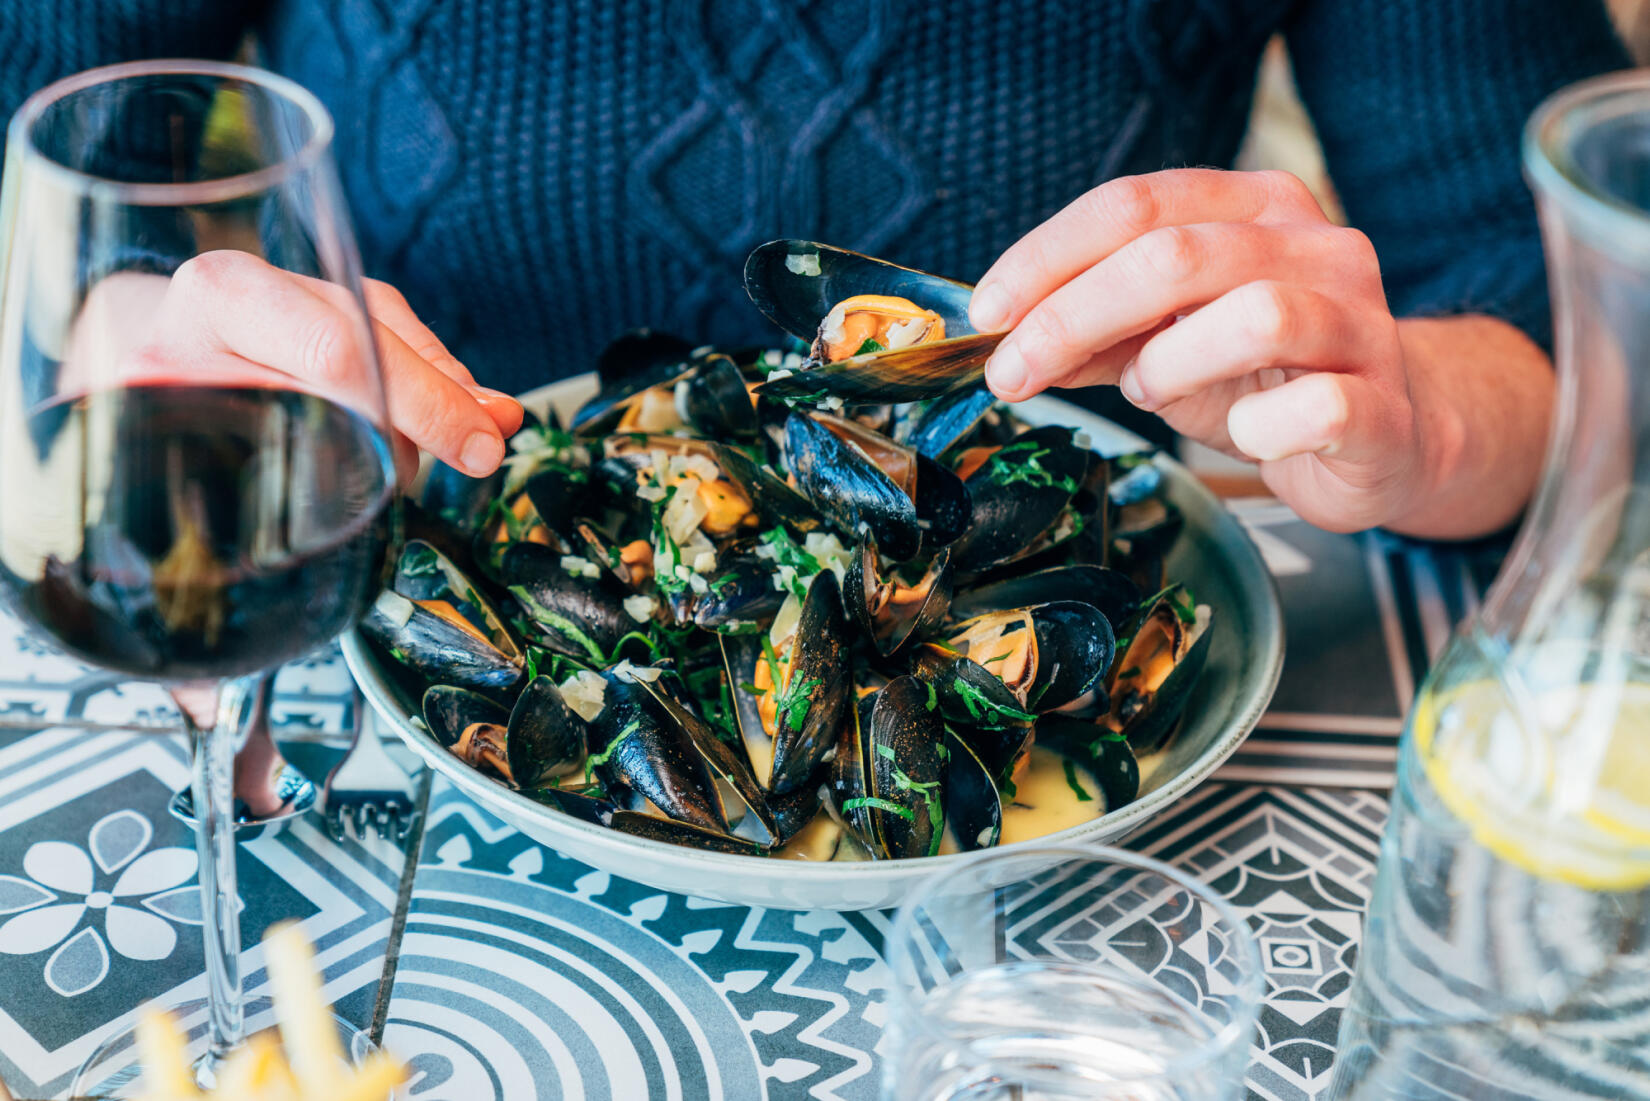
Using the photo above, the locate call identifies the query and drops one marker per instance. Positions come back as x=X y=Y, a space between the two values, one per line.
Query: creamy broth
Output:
x=1044 y=802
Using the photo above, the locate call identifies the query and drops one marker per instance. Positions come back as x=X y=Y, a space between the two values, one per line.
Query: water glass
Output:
x=1068 y=972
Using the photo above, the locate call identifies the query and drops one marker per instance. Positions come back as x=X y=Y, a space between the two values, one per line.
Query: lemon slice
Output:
x=1501 y=777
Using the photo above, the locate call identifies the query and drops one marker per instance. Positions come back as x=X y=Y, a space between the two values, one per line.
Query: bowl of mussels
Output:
x=797 y=626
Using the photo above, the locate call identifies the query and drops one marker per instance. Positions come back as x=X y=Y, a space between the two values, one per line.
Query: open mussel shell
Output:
x=1112 y=592
x=449 y=710
x=816 y=694
x=587 y=806
x=542 y=511
x=771 y=500
x=636 y=362
x=1018 y=492
x=1103 y=753
x=1167 y=644
x=441 y=626
x=458 y=501
x=581 y=616
x=715 y=401
x=796 y=283
x=800 y=806
x=545 y=737
x=969 y=693
x=857 y=477
x=889 y=610
x=635 y=743
x=973 y=806
x=1141 y=534
x=741 y=802
x=1046 y=656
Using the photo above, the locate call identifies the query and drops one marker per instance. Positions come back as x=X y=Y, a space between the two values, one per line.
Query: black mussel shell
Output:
x=950 y=421
x=798 y=807
x=1134 y=478
x=1103 y=752
x=1112 y=592
x=777 y=280
x=742 y=597
x=639 y=360
x=997 y=747
x=1074 y=643
x=905 y=770
x=973 y=807
x=845 y=792
x=911 y=612
x=726 y=764
x=672 y=832
x=449 y=710
x=441 y=626
x=634 y=742
x=458 y=501
x=560 y=495
x=716 y=403
x=584 y=806
x=1018 y=494
x=582 y=617
x=849 y=485
x=967 y=692
x=546 y=736
x=1167 y=644
x=807 y=721
x=1141 y=534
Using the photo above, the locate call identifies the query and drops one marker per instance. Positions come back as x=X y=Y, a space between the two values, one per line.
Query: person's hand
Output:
x=1227 y=303
x=230 y=317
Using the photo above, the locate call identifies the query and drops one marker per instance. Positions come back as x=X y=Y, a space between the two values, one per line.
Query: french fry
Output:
x=306 y=1063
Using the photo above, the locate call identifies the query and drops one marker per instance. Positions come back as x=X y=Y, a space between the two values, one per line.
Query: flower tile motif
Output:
x=76 y=889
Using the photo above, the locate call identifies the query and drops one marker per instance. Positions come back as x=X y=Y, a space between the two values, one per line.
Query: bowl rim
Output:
x=1113 y=825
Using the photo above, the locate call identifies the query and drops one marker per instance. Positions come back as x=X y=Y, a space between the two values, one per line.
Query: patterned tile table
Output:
x=500 y=969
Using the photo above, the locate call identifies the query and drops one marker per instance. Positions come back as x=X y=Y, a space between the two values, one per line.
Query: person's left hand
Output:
x=1229 y=304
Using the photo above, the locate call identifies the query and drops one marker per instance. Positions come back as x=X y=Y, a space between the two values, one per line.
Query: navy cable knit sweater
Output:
x=539 y=175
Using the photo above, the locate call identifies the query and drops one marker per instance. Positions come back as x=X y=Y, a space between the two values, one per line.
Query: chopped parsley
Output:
x=879 y=804
x=1026 y=467
x=981 y=707
x=1076 y=785
x=595 y=760
x=420 y=561
x=869 y=347
x=547 y=617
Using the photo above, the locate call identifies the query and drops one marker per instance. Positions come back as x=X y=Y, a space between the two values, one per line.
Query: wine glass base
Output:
x=296 y=792
x=114 y=1070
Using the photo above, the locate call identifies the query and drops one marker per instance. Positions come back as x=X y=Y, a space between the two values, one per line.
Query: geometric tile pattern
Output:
x=520 y=973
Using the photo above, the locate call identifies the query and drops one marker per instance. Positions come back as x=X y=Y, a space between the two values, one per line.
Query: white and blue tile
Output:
x=99 y=912
x=524 y=974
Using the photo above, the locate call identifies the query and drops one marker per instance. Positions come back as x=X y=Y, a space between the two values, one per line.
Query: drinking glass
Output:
x=194 y=471
x=1059 y=973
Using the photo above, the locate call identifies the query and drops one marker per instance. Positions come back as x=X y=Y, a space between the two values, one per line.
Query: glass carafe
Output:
x=1506 y=952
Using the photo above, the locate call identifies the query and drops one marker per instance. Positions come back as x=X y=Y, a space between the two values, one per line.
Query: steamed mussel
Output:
x=836 y=626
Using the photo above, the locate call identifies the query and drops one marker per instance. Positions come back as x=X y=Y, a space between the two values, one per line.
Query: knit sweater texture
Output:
x=540 y=175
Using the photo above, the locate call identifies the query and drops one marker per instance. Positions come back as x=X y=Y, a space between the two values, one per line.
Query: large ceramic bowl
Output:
x=1214 y=556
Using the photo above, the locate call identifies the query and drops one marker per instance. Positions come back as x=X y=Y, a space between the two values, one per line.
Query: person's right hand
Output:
x=229 y=316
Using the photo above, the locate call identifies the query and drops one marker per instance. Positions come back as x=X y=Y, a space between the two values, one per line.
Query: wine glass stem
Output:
x=216 y=730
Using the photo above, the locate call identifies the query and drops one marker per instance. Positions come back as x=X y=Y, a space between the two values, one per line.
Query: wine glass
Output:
x=194 y=467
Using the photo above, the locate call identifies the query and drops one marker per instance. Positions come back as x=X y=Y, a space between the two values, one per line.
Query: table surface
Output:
x=498 y=968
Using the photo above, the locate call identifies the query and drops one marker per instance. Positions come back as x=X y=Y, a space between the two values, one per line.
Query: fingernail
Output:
x=1129 y=383
x=485 y=393
x=1005 y=371
x=988 y=309
x=482 y=453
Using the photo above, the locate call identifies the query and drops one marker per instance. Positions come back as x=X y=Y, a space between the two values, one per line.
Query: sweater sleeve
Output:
x=45 y=40
x=1420 y=105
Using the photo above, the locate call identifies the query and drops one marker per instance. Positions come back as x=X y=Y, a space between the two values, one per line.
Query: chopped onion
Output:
x=635 y=673
x=586 y=693
x=803 y=263
x=651 y=493
x=784 y=624
x=579 y=567
x=640 y=607
x=704 y=561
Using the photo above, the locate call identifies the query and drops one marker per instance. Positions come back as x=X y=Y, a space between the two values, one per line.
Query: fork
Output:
x=368 y=788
